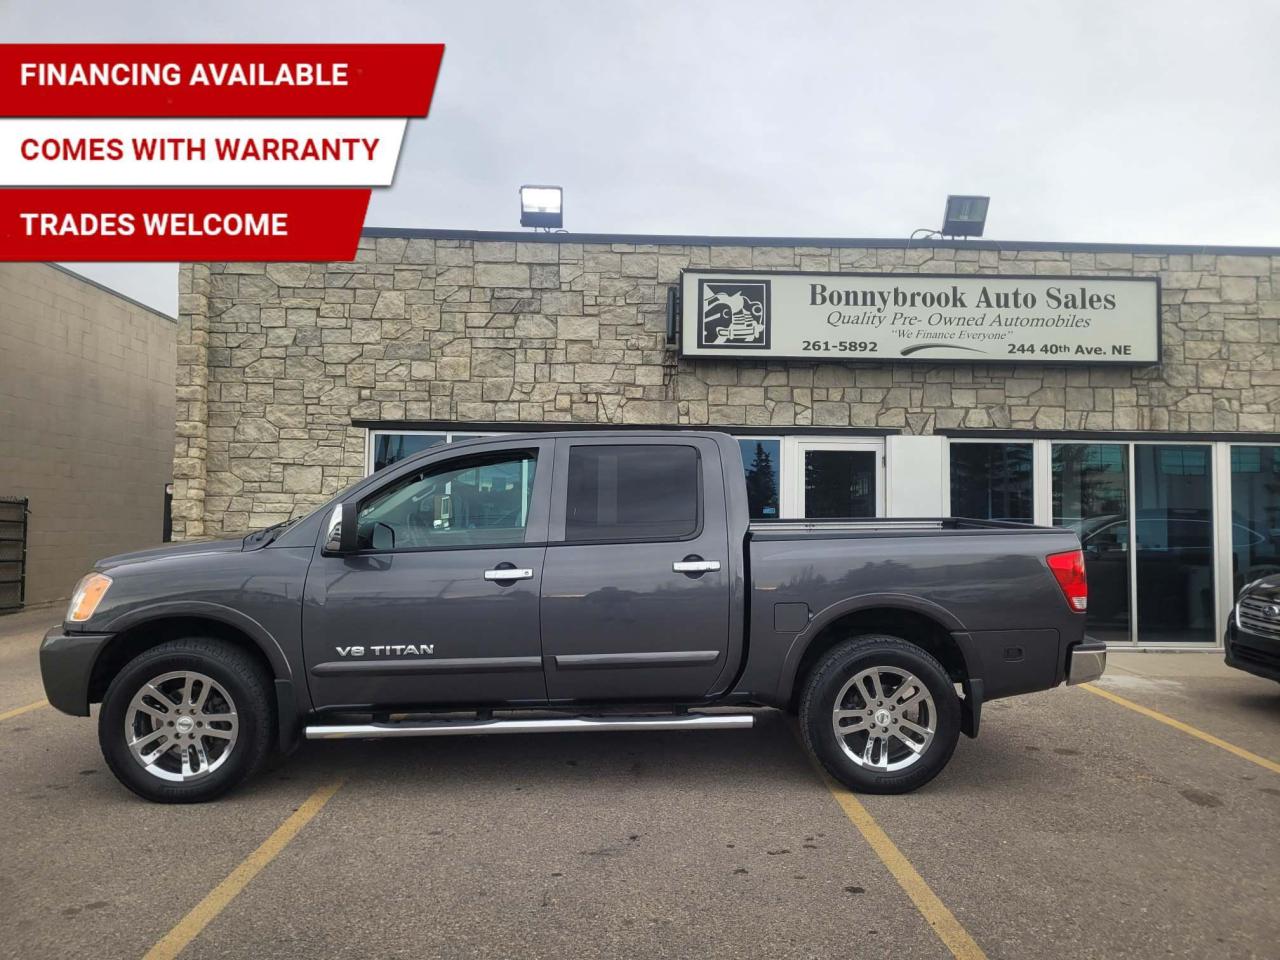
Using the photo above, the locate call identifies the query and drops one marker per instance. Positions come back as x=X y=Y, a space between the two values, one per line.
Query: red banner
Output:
x=209 y=224
x=218 y=79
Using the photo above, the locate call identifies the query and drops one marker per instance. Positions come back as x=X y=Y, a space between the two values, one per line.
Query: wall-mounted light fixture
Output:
x=965 y=216
x=541 y=206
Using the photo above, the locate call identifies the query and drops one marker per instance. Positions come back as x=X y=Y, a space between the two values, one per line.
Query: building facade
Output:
x=296 y=379
x=86 y=428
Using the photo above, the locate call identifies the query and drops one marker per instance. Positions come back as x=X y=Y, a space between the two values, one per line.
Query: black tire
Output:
x=829 y=676
x=244 y=681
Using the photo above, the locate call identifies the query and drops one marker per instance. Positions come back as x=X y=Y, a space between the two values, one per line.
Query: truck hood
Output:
x=229 y=544
x=1268 y=588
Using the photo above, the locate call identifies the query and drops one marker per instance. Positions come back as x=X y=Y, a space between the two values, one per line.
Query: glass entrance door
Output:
x=1173 y=513
x=1144 y=513
x=1091 y=497
x=834 y=479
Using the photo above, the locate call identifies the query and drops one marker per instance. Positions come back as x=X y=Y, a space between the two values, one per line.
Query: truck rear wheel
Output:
x=880 y=714
x=186 y=721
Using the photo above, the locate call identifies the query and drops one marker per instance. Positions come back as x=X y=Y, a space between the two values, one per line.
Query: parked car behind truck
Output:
x=562 y=582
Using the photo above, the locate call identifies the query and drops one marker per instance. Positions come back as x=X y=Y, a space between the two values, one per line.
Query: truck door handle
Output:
x=695 y=566
x=509 y=573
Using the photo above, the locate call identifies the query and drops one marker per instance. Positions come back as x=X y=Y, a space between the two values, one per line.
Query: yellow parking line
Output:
x=941 y=920
x=204 y=912
x=1240 y=752
x=19 y=711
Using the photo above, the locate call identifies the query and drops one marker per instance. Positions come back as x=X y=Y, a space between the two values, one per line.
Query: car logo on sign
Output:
x=734 y=314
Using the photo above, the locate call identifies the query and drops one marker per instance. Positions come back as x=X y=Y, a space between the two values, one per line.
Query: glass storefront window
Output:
x=760 y=458
x=839 y=484
x=1091 y=497
x=992 y=481
x=1173 y=488
x=390 y=447
x=1255 y=514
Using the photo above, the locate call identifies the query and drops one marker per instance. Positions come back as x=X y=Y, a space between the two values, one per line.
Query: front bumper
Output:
x=66 y=664
x=1252 y=652
x=1086 y=661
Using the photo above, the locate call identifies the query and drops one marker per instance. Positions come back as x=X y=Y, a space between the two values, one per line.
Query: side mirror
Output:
x=343 y=537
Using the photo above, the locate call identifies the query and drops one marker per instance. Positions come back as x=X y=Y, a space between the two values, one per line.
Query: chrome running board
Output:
x=455 y=728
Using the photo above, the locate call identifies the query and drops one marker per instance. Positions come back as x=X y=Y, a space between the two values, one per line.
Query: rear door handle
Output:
x=695 y=566
x=509 y=573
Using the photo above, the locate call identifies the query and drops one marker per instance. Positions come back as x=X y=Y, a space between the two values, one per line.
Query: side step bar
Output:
x=456 y=728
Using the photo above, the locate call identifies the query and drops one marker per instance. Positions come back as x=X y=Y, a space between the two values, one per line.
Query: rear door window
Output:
x=632 y=492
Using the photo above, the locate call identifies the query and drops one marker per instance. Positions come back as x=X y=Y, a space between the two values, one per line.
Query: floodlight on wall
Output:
x=965 y=216
x=541 y=206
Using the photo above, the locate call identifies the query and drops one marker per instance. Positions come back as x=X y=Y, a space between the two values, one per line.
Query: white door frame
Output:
x=791 y=496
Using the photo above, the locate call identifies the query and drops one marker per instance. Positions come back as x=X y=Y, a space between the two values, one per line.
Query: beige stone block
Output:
x=390 y=305
x=1233 y=266
x=1242 y=330
x=561 y=303
x=302 y=479
x=494 y=251
x=1114 y=261
x=453 y=368
x=596 y=261
x=502 y=274
x=1239 y=289
x=534 y=252
x=650 y=411
x=533 y=326
x=729 y=257
x=578 y=328
x=640 y=265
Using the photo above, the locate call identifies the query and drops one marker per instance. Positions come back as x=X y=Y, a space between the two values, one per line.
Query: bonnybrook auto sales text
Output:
x=1056 y=298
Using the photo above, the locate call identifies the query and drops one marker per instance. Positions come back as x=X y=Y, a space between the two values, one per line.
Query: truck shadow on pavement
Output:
x=769 y=755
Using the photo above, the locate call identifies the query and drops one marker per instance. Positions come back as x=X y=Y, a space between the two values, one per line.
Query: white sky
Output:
x=1144 y=121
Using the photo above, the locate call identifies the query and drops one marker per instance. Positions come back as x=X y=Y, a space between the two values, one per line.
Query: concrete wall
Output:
x=277 y=360
x=86 y=420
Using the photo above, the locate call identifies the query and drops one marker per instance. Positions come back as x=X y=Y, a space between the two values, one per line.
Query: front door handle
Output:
x=695 y=566
x=509 y=573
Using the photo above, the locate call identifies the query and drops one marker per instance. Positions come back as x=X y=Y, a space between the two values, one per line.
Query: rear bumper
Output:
x=1086 y=661
x=1252 y=653
x=66 y=664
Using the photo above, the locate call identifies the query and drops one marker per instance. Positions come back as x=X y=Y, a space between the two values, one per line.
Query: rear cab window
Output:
x=628 y=492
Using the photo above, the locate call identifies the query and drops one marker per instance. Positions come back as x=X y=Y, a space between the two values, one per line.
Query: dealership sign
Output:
x=922 y=317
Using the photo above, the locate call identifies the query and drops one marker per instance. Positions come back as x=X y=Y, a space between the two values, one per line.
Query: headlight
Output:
x=89 y=593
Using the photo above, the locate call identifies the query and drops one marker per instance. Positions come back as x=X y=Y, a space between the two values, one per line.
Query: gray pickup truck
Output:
x=565 y=582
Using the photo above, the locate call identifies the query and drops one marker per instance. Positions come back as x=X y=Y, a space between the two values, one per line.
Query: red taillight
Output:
x=1068 y=569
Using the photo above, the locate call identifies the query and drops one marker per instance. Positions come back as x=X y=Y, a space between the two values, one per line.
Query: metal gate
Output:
x=13 y=552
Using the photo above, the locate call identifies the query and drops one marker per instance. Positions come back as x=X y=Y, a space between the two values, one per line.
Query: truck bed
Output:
x=882 y=526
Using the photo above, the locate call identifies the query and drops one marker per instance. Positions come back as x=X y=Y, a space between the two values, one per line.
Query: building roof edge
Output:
x=863 y=242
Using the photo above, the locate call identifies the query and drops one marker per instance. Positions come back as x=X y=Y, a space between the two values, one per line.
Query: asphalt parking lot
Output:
x=1075 y=826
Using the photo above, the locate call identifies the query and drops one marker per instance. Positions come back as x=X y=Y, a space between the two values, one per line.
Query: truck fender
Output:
x=251 y=628
x=841 y=608
x=288 y=710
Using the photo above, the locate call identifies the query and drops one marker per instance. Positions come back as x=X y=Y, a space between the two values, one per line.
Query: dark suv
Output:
x=1253 y=635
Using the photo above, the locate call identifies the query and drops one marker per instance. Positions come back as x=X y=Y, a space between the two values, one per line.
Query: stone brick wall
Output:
x=277 y=360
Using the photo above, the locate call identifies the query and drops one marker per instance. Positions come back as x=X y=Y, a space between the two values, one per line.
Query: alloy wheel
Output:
x=181 y=726
x=884 y=718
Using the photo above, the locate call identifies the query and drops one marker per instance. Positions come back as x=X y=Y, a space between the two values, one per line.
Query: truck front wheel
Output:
x=880 y=714
x=186 y=721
